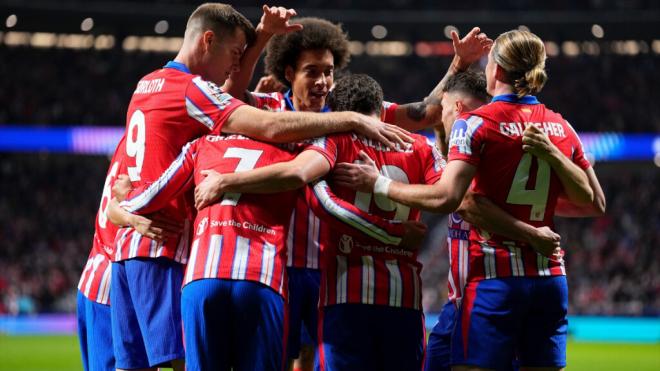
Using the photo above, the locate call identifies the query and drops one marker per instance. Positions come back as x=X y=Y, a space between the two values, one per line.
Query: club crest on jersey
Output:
x=202 y=226
x=461 y=134
x=345 y=244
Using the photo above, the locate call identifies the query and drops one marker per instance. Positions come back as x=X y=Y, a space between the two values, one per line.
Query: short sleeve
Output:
x=326 y=146
x=577 y=149
x=432 y=161
x=466 y=139
x=388 y=112
x=208 y=104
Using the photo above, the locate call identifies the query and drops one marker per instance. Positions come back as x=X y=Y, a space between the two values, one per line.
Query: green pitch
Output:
x=55 y=353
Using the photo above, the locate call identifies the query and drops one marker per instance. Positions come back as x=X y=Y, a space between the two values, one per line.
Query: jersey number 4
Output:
x=537 y=198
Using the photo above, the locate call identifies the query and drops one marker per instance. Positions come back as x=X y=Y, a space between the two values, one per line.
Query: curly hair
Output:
x=317 y=33
x=468 y=82
x=358 y=92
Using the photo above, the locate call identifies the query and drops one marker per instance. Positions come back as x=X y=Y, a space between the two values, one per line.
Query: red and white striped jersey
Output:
x=526 y=187
x=305 y=232
x=370 y=269
x=458 y=242
x=241 y=237
x=170 y=107
x=95 y=280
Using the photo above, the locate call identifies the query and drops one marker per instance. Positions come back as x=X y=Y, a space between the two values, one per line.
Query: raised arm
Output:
x=428 y=112
x=286 y=127
x=274 y=21
x=573 y=179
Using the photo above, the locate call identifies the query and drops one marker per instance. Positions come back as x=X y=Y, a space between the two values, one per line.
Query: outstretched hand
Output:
x=360 y=176
x=275 y=20
x=209 y=190
x=390 y=135
x=472 y=46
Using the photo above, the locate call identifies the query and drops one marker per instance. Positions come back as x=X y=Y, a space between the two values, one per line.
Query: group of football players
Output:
x=255 y=228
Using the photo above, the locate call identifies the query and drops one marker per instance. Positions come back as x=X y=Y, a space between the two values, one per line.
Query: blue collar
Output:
x=177 y=66
x=512 y=98
x=289 y=103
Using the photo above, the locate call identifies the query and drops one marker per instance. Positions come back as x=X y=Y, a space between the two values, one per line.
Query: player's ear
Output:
x=289 y=73
x=459 y=107
x=500 y=74
x=207 y=39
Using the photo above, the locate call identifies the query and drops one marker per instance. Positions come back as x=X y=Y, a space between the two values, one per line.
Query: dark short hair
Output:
x=317 y=34
x=359 y=93
x=223 y=19
x=468 y=82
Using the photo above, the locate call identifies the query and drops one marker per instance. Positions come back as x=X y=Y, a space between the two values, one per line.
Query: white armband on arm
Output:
x=382 y=185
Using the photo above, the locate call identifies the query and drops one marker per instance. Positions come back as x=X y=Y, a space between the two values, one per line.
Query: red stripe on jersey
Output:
x=458 y=241
x=237 y=238
x=364 y=265
x=524 y=186
x=168 y=109
x=95 y=279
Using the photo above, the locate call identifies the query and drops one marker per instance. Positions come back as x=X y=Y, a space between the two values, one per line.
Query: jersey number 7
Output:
x=247 y=161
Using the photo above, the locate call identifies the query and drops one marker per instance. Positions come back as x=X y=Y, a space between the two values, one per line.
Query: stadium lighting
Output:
x=570 y=48
x=551 y=48
x=656 y=46
x=448 y=29
x=161 y=27
x=11 y=21
x=597 y=31
x=379 y=31
x=87 y=24
x=656 y=160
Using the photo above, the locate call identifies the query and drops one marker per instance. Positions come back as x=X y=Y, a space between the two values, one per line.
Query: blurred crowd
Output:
x=63 y=87
x=49 y=201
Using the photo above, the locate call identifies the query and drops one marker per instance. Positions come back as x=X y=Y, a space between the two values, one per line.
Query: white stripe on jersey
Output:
x=213 y=92
x=368 y=279
x=104 y=288
x=417 y=295
x=396 y=284
x=542 y=265
x=198 y=114
x=239 y=266
x=119 y=245
x=135 y=244
x=88 y=265
x=143 y=199
x=489 y=261
x=96 y=261
x=267 y=264
x=320 y=190
x=517 y=265
x=190 y=268
x=289 y=238
x=464 y=261
x=153 y=246
x=213 y=256
x=313 y=236
x=342 y=279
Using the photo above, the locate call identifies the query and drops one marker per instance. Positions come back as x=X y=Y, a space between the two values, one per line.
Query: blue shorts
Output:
x=370 y=337
x=502 y=318
x=146 y=312
x=95 y=335
x=438 y=349
x=239 y=325
x=303 y=308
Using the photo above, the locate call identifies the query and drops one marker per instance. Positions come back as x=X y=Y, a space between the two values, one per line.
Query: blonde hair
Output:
x=522 y=56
